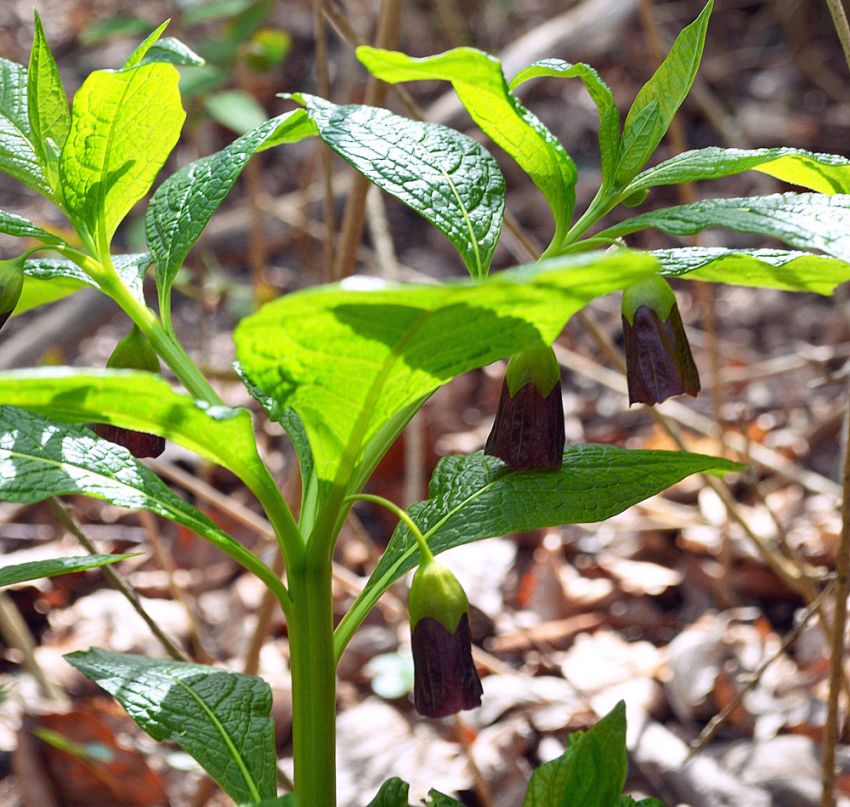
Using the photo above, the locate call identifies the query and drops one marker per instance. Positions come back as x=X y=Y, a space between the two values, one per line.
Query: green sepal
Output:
x=538 y=366
x=654 y=292
x=435 y=592
x=11 y=285
x=134 y=352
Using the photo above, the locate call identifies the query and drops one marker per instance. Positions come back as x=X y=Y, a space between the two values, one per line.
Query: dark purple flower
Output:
x=659 y=363
x=139 y=444
x=529 y=428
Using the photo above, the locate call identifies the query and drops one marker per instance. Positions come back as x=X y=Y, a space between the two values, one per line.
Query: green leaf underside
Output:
x=141 y=401
x=445 y=176
x=123 y=126
x=600 y=93
x=49 y=115
x=590 y=773
x=802 y=220
x=18 y=226
x=657 y=101
x=172 y=51
x=40 y=459
x=348 y=362
x=33 y=570
x=823 y=173
x=760 y=268
x=476 y=496
x=220 y=718
x=480 y=84
x=18 y=156
x=131 y=268
x=183 y=205
x=37 y=292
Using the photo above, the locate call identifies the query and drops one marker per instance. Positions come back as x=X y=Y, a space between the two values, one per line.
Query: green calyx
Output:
x=654 y=292
x=11 y=284
x=436 y=593
x=538 y=366
x=134 y=352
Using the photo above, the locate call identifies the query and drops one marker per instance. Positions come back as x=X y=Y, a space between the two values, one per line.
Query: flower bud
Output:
x=133 y=352
x=659 y=363
x=445 y=678
x=11 y=285
x=529 y=428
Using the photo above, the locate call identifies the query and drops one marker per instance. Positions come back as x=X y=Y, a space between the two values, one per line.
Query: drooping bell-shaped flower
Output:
x=529 y=428
x=445 y=678
x=133 y=352
x=659 y=363
x=11 y=285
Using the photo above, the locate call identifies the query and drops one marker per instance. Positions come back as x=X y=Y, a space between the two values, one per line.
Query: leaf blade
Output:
x=33 y=570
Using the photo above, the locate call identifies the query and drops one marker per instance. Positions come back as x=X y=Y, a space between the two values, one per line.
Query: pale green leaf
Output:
x=824 y=173
x=475 y=496
x=354 y=364
x=221 y=718
x=123 y=127
x=599 y=91
x=802 y=220
x=149 y=41
x=49 y=115
x=36 y=569
x=761 y=268
x=656 y=103
x=443 y=175
x=18 y=157
x=172 y=51
x=480 y=85
x=236 y=109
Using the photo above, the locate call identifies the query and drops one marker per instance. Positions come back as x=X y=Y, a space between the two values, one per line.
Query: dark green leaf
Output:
x=443 y=175
x=20 y=572
x=437 y=799
x=10 y=224
x=802 y=220
x=221 y=718
x=393 y=793
x=480 y=85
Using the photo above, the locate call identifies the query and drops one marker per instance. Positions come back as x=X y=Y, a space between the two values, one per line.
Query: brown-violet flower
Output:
x=445 y=678
x=659 y=363
x=529 y=428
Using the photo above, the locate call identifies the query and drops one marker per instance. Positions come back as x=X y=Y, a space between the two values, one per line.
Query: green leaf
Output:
x=761 y=268
x=144 y=402
x=355 y=365
x=480 y=85
x=600 y=93
x=823 y=173
x=49 y=115
x=236 y=109
x=18 y=157
x=40 y=458
x=281 y=801
x=20 y=572
x=123 y=127
x=11 y=224
x=475 y=496
x=172 y=51
x=803 y=220
x=150 y=40
x=37 y=292
x=131 y=268
x=443 y=175
x=437 y=799
x=590 y=773
x=114 y=27
x=219 y=717
x=656 y=103
x=393 y=793
x=183 y=205
x=628 y=801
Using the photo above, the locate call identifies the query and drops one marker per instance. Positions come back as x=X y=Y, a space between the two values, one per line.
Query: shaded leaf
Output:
x=393 y=793
x=36 y=569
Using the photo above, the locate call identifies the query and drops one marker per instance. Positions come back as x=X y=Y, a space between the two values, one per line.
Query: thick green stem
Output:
x=313 y=666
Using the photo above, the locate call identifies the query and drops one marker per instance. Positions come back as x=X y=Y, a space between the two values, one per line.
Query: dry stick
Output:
x=714 y=725
x=321 y=36
x=836 y=671
x=389 y=19
x=66 y=518
x=839 y=20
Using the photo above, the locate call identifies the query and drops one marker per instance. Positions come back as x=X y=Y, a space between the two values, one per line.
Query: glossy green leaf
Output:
x=40 y=458
x=761 y=268
x=823 y=173
x=149 y=41
x=11 y=224
x=475 y=496
x=18 y=157
x=49 y=114
x=393 y=793
x=443 y=175
x=656 y=103
x=36 y=569
x=123 y=127
x=220 y=718
x=480 y=85
x=131 y=268
x=599 y=91
x=802 y=220
x=144 y=402
x=354 y=364
x=172 y=51
x=590 y=773
x=183 y=205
